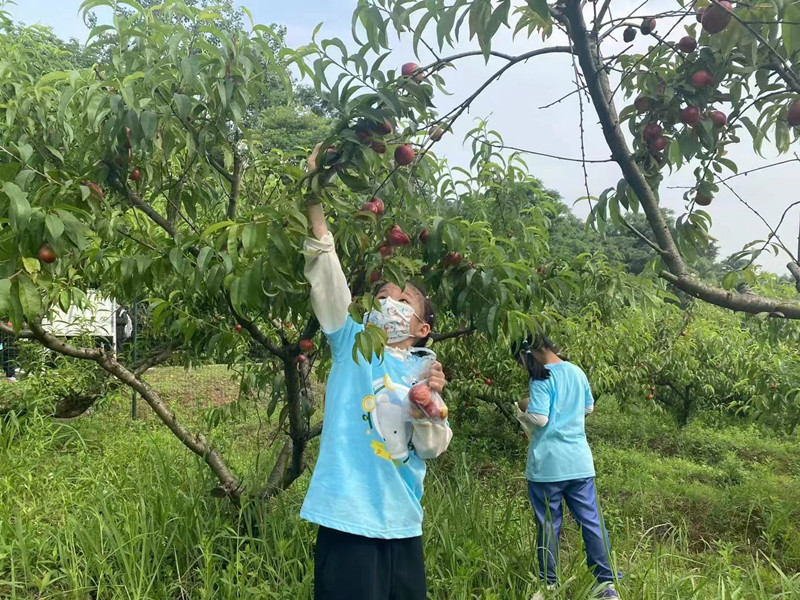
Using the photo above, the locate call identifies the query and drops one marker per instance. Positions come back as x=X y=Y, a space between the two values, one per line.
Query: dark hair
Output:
x=429 y=314
x=536 y=370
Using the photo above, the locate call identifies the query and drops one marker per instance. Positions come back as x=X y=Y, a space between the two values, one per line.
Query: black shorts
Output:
x=352 y=567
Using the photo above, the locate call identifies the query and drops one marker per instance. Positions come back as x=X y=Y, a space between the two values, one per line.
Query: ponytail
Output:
x=523 y=351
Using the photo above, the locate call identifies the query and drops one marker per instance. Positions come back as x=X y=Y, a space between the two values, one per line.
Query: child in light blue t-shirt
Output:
x=560 y=465
x=367 y=483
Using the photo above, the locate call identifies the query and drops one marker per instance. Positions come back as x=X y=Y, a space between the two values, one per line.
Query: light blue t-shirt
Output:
x=368 y=479
x=559 y=450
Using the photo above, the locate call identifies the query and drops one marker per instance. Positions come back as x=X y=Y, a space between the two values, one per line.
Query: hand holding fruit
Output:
x=436 y=378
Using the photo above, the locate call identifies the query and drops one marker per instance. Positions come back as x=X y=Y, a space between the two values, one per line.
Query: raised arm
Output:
x=330 y=294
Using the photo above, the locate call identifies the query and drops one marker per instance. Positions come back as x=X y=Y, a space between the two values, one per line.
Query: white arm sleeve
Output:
x=330 y=294
x=529 y=420
x=431 y=439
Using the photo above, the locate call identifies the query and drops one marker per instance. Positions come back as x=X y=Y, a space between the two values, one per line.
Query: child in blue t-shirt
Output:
x=560 y=465
x=368 y=480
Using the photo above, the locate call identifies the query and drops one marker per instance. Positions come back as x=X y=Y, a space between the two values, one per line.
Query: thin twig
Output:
x=543 y=154
x=583 y=132
x=773 y=233
x=642 y=236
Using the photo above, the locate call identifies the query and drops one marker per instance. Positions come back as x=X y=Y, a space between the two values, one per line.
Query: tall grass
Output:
x=106 y=508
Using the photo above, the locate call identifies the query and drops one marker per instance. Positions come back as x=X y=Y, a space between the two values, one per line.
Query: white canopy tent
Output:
x=98 y=319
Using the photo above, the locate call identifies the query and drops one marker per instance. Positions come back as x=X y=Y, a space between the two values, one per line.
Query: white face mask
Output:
x=394 y=318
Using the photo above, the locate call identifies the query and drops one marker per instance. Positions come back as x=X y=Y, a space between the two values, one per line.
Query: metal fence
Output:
x=132 y=339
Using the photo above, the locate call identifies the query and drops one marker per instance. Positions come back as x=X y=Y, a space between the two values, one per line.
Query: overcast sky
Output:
x=512 y=106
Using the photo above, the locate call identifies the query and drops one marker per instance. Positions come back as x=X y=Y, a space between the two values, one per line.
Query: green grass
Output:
x=108 y=508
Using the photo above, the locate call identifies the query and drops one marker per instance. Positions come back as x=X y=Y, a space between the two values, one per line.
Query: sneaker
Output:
x=540 y=595
x=12 y=379
x=609 y=592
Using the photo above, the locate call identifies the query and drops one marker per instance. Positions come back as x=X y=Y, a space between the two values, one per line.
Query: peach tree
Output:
x=150 y=177
x=714 y=74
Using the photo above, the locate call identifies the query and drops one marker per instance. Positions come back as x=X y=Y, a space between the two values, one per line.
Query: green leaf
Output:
x=790 y=30
x=55 y=152
x=66 y=98
x=178 y=261
x=55 y=227
x=20 y=207
x=183 y=105
x=782 y=138
x=419 y=29
x=74 y=229
x=674 y=154
x=149 y=123
x=25 y=152
x=233 y=244
x=204 y=258
x=29 y=297
x=540 y=8
x=8 y=171
x=215 y=227
x=31 y=265
x=5 y=298
x=445 y=25
x=249 y=237
x=354 y=183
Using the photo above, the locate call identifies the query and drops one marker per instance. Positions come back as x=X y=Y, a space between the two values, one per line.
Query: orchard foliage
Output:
x=682 y=360
x=156 y=176
x=691 y=100
x=151 y=177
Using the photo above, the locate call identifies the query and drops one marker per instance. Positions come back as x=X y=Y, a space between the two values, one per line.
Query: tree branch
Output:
x=600 y=92
x=441 y=337
x=25 y=334
x=601 y=15
x=542 y=154
x=794 y=269
x=459 y=110
x=275 y=479
x=448 y=59
x=238 y=166
x=197 y=444
x=504 y=410
x=153 y=360
x=749 y=303
x=298 y=429
x=642 y=236
x=254 y=331
x=151 y=212
x=315 y=431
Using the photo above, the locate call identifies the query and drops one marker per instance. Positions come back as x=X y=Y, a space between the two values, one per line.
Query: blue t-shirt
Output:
x=559 y=450
x=368 y=479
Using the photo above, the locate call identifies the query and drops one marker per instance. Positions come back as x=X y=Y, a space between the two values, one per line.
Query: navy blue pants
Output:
x=581 y=500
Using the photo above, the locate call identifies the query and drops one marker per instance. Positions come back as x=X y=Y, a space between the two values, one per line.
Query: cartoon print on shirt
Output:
x=385 y=409
x=385 y=412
